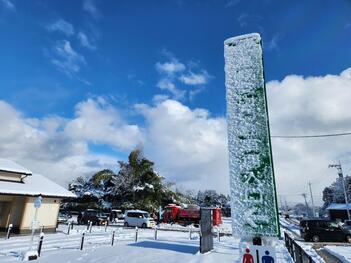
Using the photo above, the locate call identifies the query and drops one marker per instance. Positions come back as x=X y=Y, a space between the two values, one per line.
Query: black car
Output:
x=317 y=230
x=94 y=216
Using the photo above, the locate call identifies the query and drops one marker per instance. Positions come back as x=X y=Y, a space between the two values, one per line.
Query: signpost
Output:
x=32 y=255
x=252 y=184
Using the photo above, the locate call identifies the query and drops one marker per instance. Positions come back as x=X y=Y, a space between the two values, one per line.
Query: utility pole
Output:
x=341 y=178
x=313 y=207
x=307 y=210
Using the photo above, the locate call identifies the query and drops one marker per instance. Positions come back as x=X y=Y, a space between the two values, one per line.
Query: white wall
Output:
x=47 y=213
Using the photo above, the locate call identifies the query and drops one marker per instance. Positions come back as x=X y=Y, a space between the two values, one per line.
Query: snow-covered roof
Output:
x=136 y=211
x=33 y=186
x=335 y=206
x=11 y=166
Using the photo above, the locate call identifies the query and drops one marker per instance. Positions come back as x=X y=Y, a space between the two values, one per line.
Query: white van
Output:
x=138 y=218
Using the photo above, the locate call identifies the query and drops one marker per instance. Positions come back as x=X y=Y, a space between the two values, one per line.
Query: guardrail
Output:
x=297 y=253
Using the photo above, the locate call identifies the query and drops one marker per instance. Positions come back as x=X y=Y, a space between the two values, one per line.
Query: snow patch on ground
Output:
x=341 y=252
x=311 y=252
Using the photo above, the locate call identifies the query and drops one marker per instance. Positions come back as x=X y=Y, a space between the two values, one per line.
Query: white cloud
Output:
x=90 y=7
x=170 y=67
x=8 y=4
x=99 y=122
x=85 y=42
x=249 y=19
x=174 y=74
x=195 y=79
x=66 y=58
x=58 y=147
x=188 y=146
x=167 y=84
x=232 y=3
x=273 y=43
x=62 y=26
x=303 y=106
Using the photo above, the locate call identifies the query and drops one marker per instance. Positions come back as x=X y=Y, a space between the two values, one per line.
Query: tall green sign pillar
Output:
x=252 y=184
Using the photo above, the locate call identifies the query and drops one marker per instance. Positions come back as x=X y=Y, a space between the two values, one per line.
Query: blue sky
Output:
x=61 y=58
x=130 y=36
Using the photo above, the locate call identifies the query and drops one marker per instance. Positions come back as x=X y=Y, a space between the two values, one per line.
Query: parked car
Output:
x=62 y=217
x=138 y=218
x=94 y=216
x=317 y=230
x=116 y=215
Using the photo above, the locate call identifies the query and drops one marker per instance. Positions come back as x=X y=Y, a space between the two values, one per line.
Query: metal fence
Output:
x=297 y=253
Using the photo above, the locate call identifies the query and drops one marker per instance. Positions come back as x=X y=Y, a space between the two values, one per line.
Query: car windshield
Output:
x=146 y=215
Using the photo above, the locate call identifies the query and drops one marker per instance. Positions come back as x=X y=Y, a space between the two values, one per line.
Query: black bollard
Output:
x=40 y=243
x=136 y=234
x=155 y=232
x=218 y=234
x=113 y=237
x=90 y=226
x=9 y=231
x=69 y=228
x=82 y=241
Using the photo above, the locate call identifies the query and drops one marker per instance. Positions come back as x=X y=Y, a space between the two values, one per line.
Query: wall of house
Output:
x=46 y=216
x=11 y=209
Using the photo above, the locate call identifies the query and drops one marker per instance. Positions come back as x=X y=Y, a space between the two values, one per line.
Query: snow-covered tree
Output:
x=211 y=198
x=136 y=185
x=335 y=192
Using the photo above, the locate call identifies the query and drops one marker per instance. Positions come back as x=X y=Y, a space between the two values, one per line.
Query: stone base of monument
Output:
x=30 y=255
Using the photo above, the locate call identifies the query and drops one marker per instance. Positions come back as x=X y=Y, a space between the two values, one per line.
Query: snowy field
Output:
x=172 y=246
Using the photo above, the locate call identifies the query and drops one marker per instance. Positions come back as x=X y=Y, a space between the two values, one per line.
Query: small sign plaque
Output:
x=257 y=254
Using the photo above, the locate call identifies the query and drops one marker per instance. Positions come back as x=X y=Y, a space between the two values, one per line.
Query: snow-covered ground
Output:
x=308 y=248
x=170 y=246
x=289 y=226
x=341 y=252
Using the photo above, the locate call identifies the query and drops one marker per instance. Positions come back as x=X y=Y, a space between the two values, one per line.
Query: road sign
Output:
x=257 y=254
x=252 y=185
x=37 y=202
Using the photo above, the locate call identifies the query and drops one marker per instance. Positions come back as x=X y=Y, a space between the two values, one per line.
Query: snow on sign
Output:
x=257 y=254
x=252 y=185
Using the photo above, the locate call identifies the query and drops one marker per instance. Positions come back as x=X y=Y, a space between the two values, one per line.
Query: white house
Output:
x=19 y=187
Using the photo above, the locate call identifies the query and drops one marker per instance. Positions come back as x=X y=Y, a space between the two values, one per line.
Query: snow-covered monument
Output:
x=252 y=185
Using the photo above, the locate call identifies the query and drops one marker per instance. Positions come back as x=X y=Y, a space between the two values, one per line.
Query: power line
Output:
x=310 y=136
